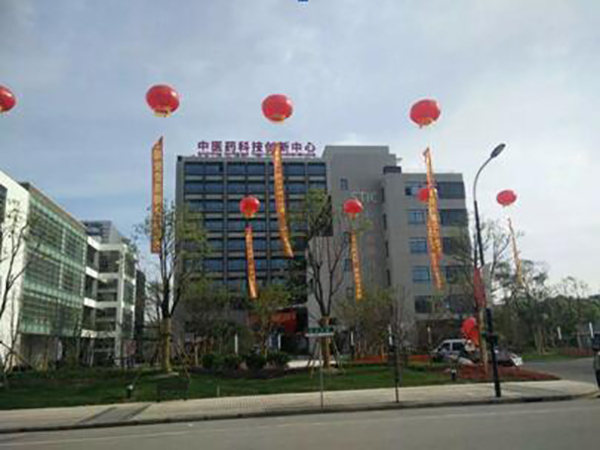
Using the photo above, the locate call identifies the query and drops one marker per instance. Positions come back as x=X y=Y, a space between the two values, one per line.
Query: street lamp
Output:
x=479 y=245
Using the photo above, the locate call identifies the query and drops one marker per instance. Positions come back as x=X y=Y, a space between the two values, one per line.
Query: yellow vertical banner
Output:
x=434 y=239
x=252 y=290
x=516 y=257
x=358 y=291
x=284 y=234
x=157 y=197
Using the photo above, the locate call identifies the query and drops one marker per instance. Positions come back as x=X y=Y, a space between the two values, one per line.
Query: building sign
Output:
x=157 y=197
x=255 y=149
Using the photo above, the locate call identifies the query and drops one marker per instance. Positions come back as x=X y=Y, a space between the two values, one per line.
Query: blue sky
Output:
x=514 y=71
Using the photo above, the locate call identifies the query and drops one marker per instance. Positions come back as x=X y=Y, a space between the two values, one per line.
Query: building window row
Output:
x=252 y=169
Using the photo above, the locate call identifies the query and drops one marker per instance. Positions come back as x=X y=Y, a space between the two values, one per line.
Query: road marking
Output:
x=444 y=416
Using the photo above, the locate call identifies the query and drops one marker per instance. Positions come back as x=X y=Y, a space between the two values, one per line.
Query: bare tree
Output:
x=183 y=247
x=270 y=300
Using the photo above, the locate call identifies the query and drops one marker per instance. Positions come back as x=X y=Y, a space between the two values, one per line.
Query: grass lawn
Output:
x=550 y=356
x=87 y=387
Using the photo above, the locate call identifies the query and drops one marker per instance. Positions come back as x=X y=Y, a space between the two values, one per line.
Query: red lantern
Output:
x=277 y=107
x=163 y=99
x=352 y=207
x=470 y=331
x=425 y=112
x=506 y=198
x=7 y=99
x=249 y=206
x=423 y=195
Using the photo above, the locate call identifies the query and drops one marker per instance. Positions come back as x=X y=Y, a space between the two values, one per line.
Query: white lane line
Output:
x=478 y=415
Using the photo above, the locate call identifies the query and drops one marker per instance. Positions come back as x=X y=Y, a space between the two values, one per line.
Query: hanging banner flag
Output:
x=433 y=225
x=252 y=291
x=284 y=234
x=157 y=197
x=356 y=266
x=516 y=257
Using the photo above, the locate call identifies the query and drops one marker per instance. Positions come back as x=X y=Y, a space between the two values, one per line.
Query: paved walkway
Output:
x=282 y=404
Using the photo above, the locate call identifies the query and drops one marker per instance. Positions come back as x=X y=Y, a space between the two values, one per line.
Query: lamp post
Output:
x=479 y=246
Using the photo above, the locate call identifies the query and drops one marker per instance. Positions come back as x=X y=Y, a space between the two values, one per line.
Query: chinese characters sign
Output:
x=280 y=203
x=157 y=196
x=256 y=149
x=252 y=291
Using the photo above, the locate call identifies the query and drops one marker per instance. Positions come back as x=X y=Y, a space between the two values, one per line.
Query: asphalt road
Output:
x=544 y=426
x=569 y=369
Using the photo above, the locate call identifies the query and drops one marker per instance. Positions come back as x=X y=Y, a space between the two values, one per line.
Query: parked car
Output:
x=449 y=350
x=508 y=358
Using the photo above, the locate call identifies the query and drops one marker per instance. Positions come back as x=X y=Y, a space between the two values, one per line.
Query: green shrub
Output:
x=211 y=361
x=278 y=359
x=232 y=362
x=255 y=361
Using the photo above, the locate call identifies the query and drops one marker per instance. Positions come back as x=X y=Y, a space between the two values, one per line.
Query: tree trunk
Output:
x=482 y=342
x=165 y=354
x=325 y=344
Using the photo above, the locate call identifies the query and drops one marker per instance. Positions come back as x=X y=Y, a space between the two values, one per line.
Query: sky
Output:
x=520 y=72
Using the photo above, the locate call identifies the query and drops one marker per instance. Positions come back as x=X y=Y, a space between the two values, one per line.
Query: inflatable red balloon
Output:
x=470 y=331
x=352 y=207
x=162 y=99
x=7 y=99
x=423 y=195
x=249 y=206
x=277 y=107
x=425 y=112
x=506 y=198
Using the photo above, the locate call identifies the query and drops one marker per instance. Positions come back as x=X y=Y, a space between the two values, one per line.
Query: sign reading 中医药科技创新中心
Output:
x=255 y=149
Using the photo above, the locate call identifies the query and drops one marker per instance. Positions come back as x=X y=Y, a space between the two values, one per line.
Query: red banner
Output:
x=284 y=234
x=433 y=225
x=252 y=290
x=157 y=197
x=358 y=291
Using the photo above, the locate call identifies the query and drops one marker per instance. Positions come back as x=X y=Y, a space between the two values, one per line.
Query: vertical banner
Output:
x=516 y=257
x=251 y=267
x=157 y=196
x=358 y=292
x=280 y=201
x=433 y=225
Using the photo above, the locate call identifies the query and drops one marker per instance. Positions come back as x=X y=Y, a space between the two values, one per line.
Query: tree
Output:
x=326 y=250
x=270 y=300
x=183 y=247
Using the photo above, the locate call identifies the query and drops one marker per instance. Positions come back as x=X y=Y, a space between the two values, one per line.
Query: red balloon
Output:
x=249 y=206
x=353 y=207
x=470 y=331
x=277 y=107
x=162 y=99
x=423 y=195
x=425 y=112
x=7 y=99
x=506 y=198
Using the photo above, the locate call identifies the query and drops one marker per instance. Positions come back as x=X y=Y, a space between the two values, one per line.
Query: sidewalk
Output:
x=286 y=404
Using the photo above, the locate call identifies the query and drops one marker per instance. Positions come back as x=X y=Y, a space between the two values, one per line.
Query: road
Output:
x=531 y=426
x=568 y=369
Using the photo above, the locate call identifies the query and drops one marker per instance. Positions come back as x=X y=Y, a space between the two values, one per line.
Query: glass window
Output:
x=271 y=205
x=261 y=264
x=195 y=205
x=193 y=187
x=412 y=188
x=274 y=225
x=213 y=224
x=344 y=184
x=236 y=265
x=213 y=168
x=418 y=245
x=458 y=304
x=233 y=206
x=316 y=169
x=451 y=190
x=317 y=185
x=255 y=169
x=236 y=169
x=294 y=169
x=256 y=187
x=275 y=245
x=213 y=187
x=216 y=245
x=295 y=187
x=384 y=221
x=423 y=304
x=347 y=265
x=387 y=249
x=260 y=245
x=295 y=205
x=417 y=216
x=453 y=274
x=236 y=188
x=213 y=205
x=453 y=217
x=236 y=225
x=259 y=225
x=236 y=245
x=213 y=265
x=421 y=274
x=193 y=169
x=452 y=246
x=278 y=263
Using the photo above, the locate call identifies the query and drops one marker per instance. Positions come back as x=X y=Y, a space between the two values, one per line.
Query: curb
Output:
x=299 y=412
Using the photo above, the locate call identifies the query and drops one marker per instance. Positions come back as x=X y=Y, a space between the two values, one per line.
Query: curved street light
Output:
x=479 y=246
